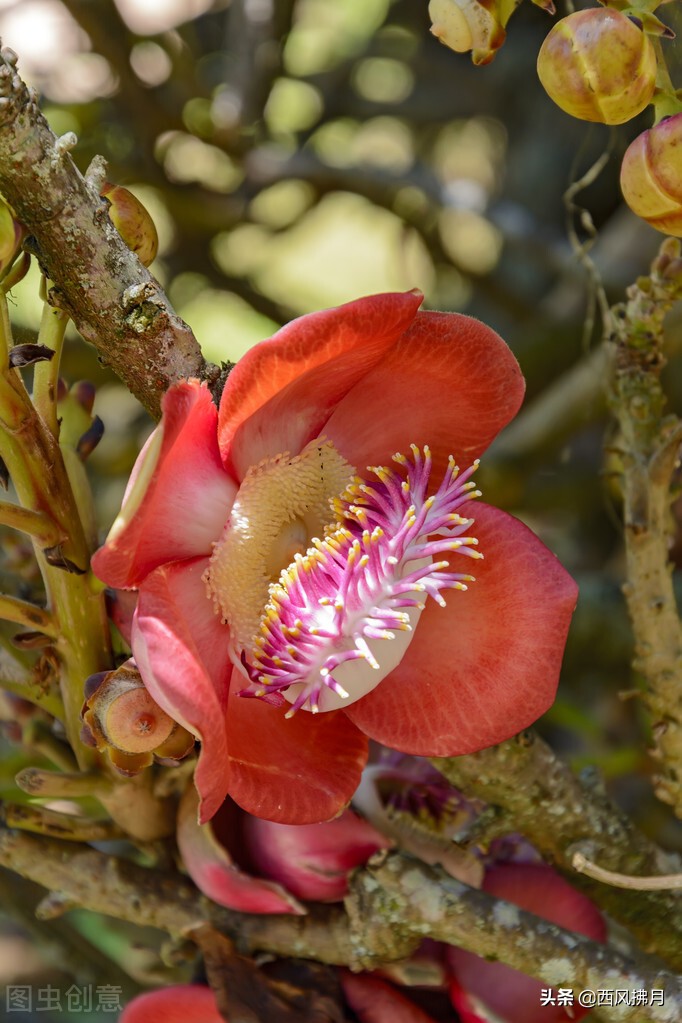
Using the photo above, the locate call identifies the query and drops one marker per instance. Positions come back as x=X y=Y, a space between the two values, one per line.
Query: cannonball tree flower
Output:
x=294 y=546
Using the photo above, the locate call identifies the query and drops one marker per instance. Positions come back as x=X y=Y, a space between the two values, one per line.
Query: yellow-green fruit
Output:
x=597 y=65
x=651 y=176
x=132 y=221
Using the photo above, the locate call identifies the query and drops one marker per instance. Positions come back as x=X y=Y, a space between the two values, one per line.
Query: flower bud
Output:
x=651 y=176
x=132 y=221
x=598 y=65
x=120 y=716
x=312 y=861
x=465 y=25
x=213 y=868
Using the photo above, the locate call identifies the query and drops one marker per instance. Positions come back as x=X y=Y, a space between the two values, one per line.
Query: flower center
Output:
x=282 y=503
x=323 y=633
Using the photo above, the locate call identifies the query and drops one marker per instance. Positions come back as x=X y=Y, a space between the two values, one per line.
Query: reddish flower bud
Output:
x=651 y=176
x=598 y=65
x=132 y=221
x=212 y=867
x=313 y=860
x=120 y=716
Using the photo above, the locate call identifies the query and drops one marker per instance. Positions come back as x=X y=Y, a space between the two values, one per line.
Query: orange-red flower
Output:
x=294 y=547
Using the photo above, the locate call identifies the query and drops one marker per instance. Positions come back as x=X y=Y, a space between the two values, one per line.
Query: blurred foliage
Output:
x=299 y=153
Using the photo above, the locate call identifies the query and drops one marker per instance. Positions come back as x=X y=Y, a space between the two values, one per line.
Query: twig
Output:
x=22 y=612
x=546 y=802
x=663 y=882
x=115 y=303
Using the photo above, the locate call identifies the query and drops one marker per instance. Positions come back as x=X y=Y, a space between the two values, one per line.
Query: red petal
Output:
x=513 y=995
x=181 y=650
x=375 y=1001
x=487 y=665
x=313 y=860
x=299 y=770
x=281 y=393
x=184 y=1003
x=178 y=497
x=215 y=873
x=450 y=382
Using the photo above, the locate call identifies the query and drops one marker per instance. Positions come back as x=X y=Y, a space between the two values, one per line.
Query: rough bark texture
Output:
x=114 y=301
x=540 y=797
x=394 y=903
x=650 y=444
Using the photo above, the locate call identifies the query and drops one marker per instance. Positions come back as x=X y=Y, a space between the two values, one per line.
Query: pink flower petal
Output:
x=514 y=996
x=463 y=1003
x=450 y=382
x=184 y=1003
x=300 y=770
x=487 y=665
x=179 y=496
x=215 y=873
x=121 y=606
x=375 y=1001
x=281 y=393
x=181 y=650
x=313 y=860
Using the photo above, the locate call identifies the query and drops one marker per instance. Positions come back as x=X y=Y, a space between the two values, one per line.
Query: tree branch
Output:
x=394 y=903
x=650 y=447
x=545 y=801
x=116 y=304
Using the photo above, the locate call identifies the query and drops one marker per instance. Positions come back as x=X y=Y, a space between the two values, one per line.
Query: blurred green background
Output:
x=300 y=153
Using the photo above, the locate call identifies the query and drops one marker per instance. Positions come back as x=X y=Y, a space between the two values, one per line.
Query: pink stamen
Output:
x=355 y=585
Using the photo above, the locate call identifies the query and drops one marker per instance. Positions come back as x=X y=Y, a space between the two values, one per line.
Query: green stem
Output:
x=38 y=525
x=49 y=702
x=58 y=825
x=16 y=273
x=6 y=341
x=45 y=374
x=37 y=736
x=666 y=102
x=36 y=466
x=22 y=612
x=62 y=785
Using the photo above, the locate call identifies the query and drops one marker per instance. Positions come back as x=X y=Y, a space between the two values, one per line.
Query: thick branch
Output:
x=115 y=303
x=395 y=902
x=399 y=897
x=651 y=443
x=543 y=799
